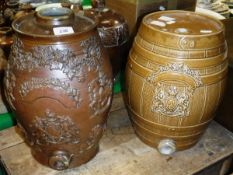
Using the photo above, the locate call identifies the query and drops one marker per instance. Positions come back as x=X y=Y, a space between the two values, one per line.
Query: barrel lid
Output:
x=53 y=22
x=182 y=30
x=183 y=23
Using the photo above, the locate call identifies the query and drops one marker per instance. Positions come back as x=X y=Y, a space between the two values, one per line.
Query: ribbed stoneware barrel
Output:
x=175 y=78
x=59 y=83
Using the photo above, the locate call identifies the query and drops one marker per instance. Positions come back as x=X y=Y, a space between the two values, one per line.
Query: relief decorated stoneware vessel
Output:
x=175 y=78
x=114 y=33
x=59 y=83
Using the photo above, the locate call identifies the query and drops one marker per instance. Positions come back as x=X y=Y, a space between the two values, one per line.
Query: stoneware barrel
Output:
x=59 y=83
x=175 y=78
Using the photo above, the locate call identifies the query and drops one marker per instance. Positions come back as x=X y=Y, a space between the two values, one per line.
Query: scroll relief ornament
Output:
x=10 y=81
x=50 y=57
x=94 y=136
x=53 y=83
x=169 y=99
x=185 y=43
x=114 y=36
x=92 y=140
x=54 y=129
x=100 y=92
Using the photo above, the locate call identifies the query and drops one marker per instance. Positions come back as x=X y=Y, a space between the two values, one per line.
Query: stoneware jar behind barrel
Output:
x=175 y=78
x=59 y=83
x=114 y=34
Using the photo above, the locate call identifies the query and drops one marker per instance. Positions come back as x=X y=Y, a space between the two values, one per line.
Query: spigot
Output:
x=167 y=146
x=60 y=160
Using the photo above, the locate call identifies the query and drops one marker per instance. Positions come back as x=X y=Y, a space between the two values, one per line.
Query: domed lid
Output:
x=183 y=23
x=194 y=31
x=109 y=18
x=52 y=22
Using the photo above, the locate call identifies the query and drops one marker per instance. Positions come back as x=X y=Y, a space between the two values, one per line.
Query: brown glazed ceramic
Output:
x=24 y=9
x=6 y=39
x=2 y=20
x=3 y=63
x=2 y=6
x=77 y=7
x=98 y=4
x=59 y=83
x=66 y=4
x=10 y=11
x=114 y=34
x=175 y=78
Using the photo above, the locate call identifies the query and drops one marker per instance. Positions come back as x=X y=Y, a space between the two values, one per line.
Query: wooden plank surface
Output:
x=117 y=102
x=9 y=137
x=122 y=153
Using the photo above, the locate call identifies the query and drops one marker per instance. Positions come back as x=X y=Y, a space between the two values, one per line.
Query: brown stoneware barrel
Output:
x=59 y=83
x=175 y=78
